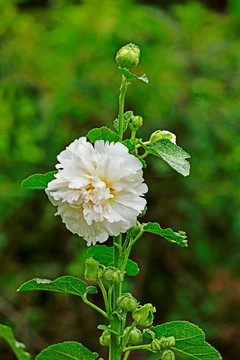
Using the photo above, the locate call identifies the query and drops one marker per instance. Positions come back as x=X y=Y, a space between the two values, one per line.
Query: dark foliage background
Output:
x=58 y=78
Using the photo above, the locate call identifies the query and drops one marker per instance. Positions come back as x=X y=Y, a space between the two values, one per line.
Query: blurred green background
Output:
x=58 y=79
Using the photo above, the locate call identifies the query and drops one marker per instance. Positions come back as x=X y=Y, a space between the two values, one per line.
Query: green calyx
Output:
x=93 y=270
x=127 y=302
x=113 y=275
x=162 y=134
x=105 y=338
x=128 y=56
x=168 y=355
x=135 y=337
x=143 y=315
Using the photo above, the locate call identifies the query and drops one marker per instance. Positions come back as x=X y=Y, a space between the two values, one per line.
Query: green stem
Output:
x=84 y=297
x=128 y=250
x=114 y=353
x=133 y=134
x=138 y=347
x=104 y=293
x=123 y=89
x=110 y=297
x=144 y=155
x=126 y=355
x=128 y=333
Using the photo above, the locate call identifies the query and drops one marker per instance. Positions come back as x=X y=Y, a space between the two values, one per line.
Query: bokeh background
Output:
x=58 y=79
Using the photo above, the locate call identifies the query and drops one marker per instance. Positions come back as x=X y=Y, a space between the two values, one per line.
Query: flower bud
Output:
x=162 y=134
x=143 y=315
x=156 y=345
x=135 y=337
x=168 y=355
x=127 y=302
x=163 y=342
x=113 y=275
x=128 y=56
x=105 y=338
x=135 y=122
x=135 y=230
x=171 y=341
x=92 y=269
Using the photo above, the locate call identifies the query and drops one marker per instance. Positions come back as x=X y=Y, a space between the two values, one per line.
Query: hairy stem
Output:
x=95 y=307
x=123 y=89
x=114 y=353
x=104 y=293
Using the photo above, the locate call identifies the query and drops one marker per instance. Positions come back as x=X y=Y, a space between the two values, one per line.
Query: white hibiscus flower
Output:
x=98 y=189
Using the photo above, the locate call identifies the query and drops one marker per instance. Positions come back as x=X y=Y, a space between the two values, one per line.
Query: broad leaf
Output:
x=131 y=76
x=102 y=133
x=69 y=350
x=64 y=284
x=38 y=181
x=104 y=255
x=126 y=118
x=178 y=238
x=174 y=155
x=190 y=340
x=18 y=348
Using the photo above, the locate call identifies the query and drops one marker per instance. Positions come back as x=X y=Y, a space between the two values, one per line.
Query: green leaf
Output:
x=126 y=118
x=69 y=350
x=64 y=284
x=18 y=348
x=105 y=327
x=190 y=340
x=178 y=238
x=174 y=155
x=129 y=75
x=130 y=144
x=38 y=181
x=102 y=133
x=104 y=255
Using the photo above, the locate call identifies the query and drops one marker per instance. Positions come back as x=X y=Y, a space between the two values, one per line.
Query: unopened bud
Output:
x=168 y=355
x=113 y=275
x=163 y=342
x=143 y=315
x=135 y=337
x=128 y=56
x=135 y=122
x=105 y=338
x=127 y=302
x=156 y=345
x=162 y=134
x=171 y=341
x=135 y=230
x=92 y=270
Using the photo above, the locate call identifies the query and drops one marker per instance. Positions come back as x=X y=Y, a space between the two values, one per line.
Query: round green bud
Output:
x=162 y=134
x=156 y=345
x=164 y=342
x=92 y=269
x=168 y=355
x=127 y=302
x=105 y=338
x=143 y=315
x=128 y=56
x=135 y=337
x=113 y=275
x=135 y=122
x=171 y=341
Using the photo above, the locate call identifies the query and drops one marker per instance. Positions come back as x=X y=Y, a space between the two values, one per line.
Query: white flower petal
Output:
x=98 y=189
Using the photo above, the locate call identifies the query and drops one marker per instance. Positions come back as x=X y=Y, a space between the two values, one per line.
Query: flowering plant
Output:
x=98 y=189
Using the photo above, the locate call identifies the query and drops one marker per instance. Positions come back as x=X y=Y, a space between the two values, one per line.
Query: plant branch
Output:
x=102 y=312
